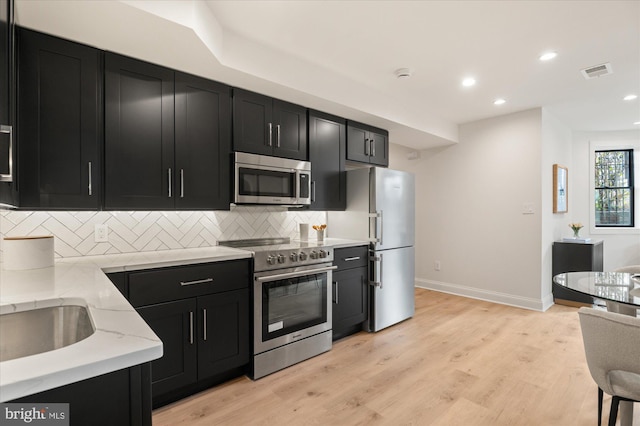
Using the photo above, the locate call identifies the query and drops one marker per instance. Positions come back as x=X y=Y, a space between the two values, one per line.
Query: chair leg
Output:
x=600 y=396
x=613 y=415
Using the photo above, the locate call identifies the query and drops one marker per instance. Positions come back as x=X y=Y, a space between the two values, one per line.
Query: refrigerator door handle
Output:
x=376 y=282
x=377 y=235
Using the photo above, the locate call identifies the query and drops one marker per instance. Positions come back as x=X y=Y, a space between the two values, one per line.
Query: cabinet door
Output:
x=290 y=132
x=357 y=144
x=253 y=127
x=174 y=323
x=349 y=298
x=139 y=135
x=8 y=194
x=60 y=89
x=327 y=146
x=202 y=143
x=223 y=334
x=379 y=149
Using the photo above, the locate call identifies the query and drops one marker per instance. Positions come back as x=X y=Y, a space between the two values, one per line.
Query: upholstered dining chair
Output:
x=612 y=349
x=631 y=269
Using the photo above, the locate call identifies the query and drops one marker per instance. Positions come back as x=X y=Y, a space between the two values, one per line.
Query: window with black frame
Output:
x=614 y=204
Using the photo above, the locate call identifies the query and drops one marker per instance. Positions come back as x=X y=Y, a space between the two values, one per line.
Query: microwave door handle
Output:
x=297 y=184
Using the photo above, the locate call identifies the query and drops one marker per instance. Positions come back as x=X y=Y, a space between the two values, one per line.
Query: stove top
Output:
x=279 y=253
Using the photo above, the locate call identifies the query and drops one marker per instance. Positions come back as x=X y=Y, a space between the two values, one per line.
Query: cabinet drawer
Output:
x=167 y=284
x=351 y=257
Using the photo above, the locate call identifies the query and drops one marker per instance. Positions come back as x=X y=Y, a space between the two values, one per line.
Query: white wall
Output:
x=620 y=248
x=469 y=209
x=556 y=149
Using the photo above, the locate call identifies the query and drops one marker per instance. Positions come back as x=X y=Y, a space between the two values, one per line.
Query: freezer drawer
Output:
x=391 y=290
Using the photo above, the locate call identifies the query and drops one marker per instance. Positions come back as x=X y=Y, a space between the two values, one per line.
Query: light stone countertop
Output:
x=122 y=338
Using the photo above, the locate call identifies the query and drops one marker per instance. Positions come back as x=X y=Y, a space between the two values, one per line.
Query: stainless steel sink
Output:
x=41 y=330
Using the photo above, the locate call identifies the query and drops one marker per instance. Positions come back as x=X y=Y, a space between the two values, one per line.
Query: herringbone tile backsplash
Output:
x=152 y=230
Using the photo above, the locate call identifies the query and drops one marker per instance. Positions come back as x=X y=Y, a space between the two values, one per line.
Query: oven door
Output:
x=291 y=304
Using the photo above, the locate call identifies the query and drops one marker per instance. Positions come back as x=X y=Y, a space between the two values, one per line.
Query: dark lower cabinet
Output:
x=59 y=123
x=575 y=257
x=327 y=147
x=201 y=314
x=173 y=323
x=350 y=290
x=120 y=398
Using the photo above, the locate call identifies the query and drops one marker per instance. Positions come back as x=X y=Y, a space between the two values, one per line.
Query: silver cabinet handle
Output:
x=373 y=147
x=335 y=292
x=191 y=327
x=350 y=259
x=181 y=183
x=206 y=280
x=169 y=181
x=278 y=135
x=270 y=134
x=366 y=146
x=204 y=324
x=8 y=177
x=90 y=180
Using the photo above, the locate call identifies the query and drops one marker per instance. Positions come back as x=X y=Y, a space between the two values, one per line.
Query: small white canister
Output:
x=31 y=252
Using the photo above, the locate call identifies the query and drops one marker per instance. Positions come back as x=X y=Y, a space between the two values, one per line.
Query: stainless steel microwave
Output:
x=260 y=179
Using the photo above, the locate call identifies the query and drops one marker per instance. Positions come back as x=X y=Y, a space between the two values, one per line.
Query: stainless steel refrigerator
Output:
x=381 y=209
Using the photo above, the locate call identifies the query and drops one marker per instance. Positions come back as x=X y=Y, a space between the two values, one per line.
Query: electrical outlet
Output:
x=101 y=233
x=436 y=265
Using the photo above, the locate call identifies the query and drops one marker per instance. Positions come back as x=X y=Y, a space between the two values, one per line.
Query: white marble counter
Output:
x=122 y=338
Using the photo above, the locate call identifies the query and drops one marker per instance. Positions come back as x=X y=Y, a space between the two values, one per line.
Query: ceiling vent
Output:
x=597 y=71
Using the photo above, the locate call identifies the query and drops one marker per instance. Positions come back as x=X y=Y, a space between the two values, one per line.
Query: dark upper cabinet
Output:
x=59 y=123
x=167 y=138
x=202 y=143
x=367 y=144
x=263 y=125
x=327 y=147
x=8 y=194
x=139 y=135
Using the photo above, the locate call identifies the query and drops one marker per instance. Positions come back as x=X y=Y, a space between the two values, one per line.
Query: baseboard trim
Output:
x=486 y=295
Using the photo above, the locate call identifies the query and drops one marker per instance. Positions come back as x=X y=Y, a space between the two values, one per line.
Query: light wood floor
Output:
x=459 y=361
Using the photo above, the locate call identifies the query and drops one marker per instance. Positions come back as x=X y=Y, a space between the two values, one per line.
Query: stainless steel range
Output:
x=291 y=302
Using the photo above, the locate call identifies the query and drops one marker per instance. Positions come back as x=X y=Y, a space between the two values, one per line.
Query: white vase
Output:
x=320 y=234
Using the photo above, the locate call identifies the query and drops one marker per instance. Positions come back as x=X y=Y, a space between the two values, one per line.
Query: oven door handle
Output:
x=295 y=274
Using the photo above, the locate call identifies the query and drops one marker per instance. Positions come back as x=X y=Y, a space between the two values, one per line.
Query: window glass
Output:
x=614 y=188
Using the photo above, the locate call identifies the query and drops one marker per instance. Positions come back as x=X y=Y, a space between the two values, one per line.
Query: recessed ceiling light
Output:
x=499 y=101
x=403 y=73
x=637 y=123
x=468 y=82
x=630 y=97
x=547 y=56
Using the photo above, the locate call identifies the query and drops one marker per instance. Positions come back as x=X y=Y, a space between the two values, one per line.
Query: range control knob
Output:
x=313 y=254
x=293 y=257
x=271 y=260
x=302 y=256
x=281 y=258
x=322 y=254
